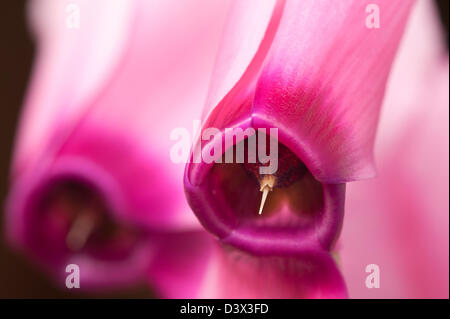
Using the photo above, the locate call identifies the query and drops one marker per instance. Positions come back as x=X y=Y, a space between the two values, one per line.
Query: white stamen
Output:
x=267 y=183
x=80 y=231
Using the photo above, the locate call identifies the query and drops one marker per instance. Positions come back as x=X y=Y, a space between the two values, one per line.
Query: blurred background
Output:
x=18 y=278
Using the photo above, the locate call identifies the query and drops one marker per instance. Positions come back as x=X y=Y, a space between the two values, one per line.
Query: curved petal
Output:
x=180 y=264
x=249 y=30
x=235 y=274
x=404 y=212
x=62 y=50
x=318 y=75
x=323 y=83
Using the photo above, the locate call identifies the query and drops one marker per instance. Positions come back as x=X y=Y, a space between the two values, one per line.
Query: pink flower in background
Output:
x=92 y=183
x=400 y=220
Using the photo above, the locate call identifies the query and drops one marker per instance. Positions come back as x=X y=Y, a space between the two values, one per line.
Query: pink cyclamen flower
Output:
x=92 y=183
x=316 y=71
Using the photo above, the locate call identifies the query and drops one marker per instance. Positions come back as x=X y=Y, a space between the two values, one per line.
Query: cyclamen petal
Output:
x=237 y=274
x=323 y=83
x=104 y=24
x=400 y=219
x=318 y=75
x=181 y=264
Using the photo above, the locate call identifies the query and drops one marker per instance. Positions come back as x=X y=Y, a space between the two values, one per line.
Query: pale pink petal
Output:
x=400 y=220
x=63 y=51
x=242 y=50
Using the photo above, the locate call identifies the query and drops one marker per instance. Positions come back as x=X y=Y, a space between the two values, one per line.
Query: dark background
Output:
x=18 y=278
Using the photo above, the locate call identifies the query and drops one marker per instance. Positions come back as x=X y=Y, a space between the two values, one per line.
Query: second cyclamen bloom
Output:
x=91 y=184
x=317 y=74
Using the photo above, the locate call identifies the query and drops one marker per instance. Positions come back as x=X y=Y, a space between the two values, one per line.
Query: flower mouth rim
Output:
x=321 y=235
x=29 y=191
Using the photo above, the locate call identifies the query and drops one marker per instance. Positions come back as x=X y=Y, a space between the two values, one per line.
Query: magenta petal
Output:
x=180 y=264
x=318 y=75
x=235 y=274
x=323 y=82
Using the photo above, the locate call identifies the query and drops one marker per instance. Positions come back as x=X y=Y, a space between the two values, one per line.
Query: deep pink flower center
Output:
x=71 y=217
x=295 y=201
